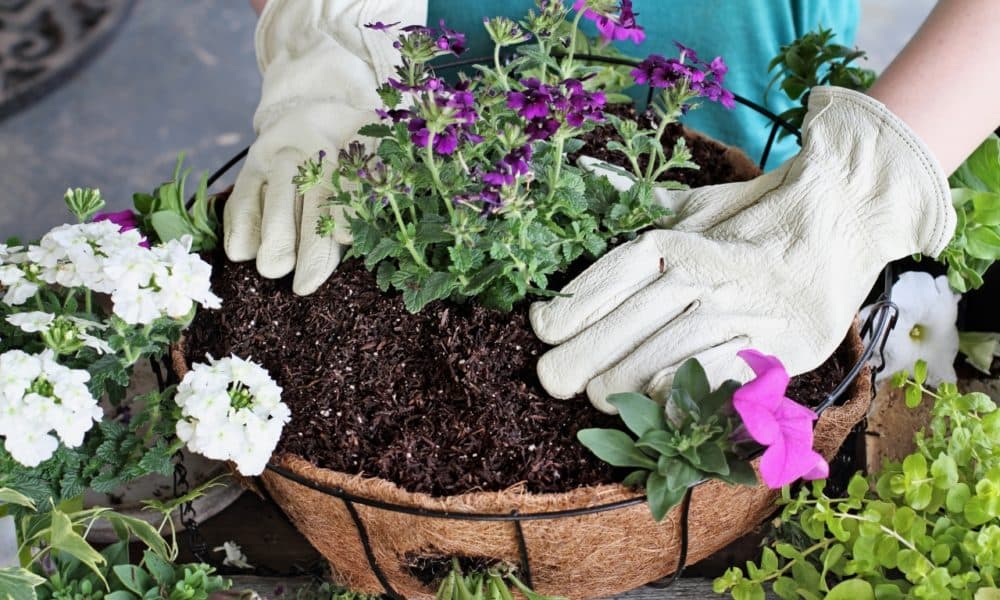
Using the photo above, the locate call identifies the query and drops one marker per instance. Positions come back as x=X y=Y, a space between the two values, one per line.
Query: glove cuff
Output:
x=921 y=186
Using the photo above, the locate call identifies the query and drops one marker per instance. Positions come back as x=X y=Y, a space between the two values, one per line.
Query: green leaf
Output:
x=979 y=348
x=712 y=459
x=681 y=475
x=660 y=496
x=375 y=130
x=63 y=538
x=658 y=441
x=162 y=571
x=18 y=584
x=944 y=470
x=636 y=478
x=9 y=496
x=169 y=225
x=985 y=208
x=133 y=578
x=691 y=377
x=852 y=589
x=720 y=400
x=639 y=413
x=615 y=448
x=146 y=533
x=957 y=497
x=983 y=242
x=436 y=286
x=740 y=473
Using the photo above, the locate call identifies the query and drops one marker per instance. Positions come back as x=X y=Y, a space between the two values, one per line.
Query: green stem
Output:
x=501 y=73
x=568 y=66
x=436 y=175
x=556 y=170
x=407 y=240
x=817 y=546
x=88 y=302
x=660 y=130
x=891 y=533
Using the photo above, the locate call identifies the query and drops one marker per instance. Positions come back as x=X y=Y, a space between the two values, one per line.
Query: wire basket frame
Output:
x=874 y=330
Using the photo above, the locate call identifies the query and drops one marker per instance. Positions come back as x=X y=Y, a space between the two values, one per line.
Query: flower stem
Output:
x=407 y=240
x=501 y=73
x=568 y=67
x=436 y=175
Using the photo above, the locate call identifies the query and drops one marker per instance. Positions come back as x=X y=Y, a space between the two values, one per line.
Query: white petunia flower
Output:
x=925 y=327
x=232 y=410
x=32 y=322
x=39 y=395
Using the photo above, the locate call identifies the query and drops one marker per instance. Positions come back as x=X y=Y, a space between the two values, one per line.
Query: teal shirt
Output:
x=746 y=33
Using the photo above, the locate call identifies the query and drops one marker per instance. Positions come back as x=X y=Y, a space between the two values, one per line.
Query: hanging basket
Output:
x=586 y=543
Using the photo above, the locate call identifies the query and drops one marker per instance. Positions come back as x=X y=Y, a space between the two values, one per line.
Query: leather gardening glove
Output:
x=780 y=263
x=321 y=68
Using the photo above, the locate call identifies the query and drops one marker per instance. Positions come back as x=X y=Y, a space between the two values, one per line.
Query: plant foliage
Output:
x=925 y=527
x=975 y=193
x=675 y=446
x=814 y=60
x=164 y=215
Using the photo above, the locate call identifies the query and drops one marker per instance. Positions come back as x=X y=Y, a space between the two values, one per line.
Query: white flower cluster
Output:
x=232 y=410
x=144 y=283
x=68 y=329
x=37 y=396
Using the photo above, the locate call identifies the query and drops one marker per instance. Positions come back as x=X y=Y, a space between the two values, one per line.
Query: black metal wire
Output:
x=884 y=313
x=522 y=552
x=370 y=552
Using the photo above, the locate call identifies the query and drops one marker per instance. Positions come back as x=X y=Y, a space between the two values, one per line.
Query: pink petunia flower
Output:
x=782 y=425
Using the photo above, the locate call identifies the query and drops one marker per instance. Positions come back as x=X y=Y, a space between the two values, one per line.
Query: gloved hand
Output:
x=321 y=68
x=780 y=263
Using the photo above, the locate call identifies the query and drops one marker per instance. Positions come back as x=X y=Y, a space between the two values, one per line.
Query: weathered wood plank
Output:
x=271 y=588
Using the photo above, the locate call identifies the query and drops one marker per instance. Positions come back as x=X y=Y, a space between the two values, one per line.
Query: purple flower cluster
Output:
x=461 y=105
x=446 y=40
x=622 y=26
x=511 y=166
x=541 y=104
x=703 y=78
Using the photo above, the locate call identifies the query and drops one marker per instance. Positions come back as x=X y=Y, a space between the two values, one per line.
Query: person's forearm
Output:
x=258 y=5
x=944 y=84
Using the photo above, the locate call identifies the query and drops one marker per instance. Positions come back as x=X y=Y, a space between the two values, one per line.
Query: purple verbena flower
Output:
x=517 y=160
x=451 y=40
x=380 y=26
x=396 y=114
x=622 y=26
x=541 y=129
x=703 y=79
x=533 y=102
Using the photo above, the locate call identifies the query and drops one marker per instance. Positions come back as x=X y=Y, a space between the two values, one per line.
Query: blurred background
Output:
x=180 y=76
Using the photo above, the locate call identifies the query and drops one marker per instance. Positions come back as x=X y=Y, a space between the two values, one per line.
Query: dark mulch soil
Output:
x=444 y=402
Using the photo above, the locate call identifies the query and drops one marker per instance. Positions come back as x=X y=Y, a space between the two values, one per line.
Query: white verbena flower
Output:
x=19 y=286
x=234 y=555
x=39 y=396
x=925 y=327
x=70 y=332
x=231 y=410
